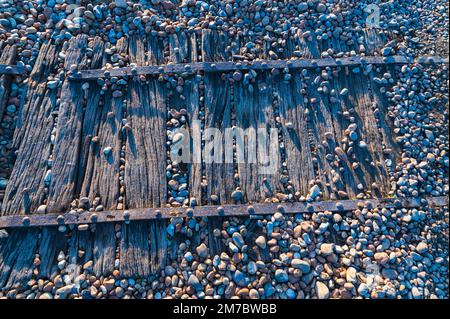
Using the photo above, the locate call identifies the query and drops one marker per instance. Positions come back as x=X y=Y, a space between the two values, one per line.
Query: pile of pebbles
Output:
x=29 y=23
x=367 y=253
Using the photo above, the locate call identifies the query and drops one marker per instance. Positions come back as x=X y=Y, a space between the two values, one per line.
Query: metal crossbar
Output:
x=248 y=210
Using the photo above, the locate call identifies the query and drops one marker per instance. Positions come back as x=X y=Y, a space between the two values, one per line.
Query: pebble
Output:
x=202 y=250
x=303 y=265
x=261 y=242
x=422 y=248
x=326 y=249
x=281 y=275
x=409 y=246
x=322 y=290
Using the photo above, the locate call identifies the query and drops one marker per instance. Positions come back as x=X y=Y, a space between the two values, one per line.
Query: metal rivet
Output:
x=158 y=213
x=26 y=221
x=189 y=212
x=339 y=206
x=94 y=217
x=220 y=210
x=60 y=219
x=280 y=209
x=251 y=209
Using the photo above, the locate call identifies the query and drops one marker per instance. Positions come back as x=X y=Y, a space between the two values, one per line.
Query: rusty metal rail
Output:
x=211 y=67
x=252 y=211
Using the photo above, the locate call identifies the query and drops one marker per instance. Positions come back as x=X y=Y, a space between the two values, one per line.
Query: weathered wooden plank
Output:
x=144 y=165
x=374 y=40
x=257 y=155
x=8 y=56
x=26 y=189
x=219 y=174
x=16 y=258
x=214 y=46
x=101 y=177
x=51 y=243
x=294 y=129
x=99 y=246
x=386 y=124
x=91 y=122
x=79 y=241
x=158 y=245
x=183 y=47
x=104 y=249
x=215 y=242
x=145 y=178
x=45 y=65
x=347 y=177
x=188 y=100
x=322 y=138
x=67 y=142
x=218 y=66
x=155 y=51
x=192 y=98
x=372 y=168
x=308 y=45
x=135 y=249
x=141 y=214
x=145 y=145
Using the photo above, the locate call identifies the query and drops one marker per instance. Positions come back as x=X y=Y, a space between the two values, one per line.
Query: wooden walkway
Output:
x=106 y=141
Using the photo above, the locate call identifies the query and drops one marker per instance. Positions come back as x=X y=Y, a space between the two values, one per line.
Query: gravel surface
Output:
x=367 y=253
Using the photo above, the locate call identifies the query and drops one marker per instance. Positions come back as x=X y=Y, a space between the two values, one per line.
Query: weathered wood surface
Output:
x=25 y=191
x=290 y=104
x=145 y=178
x=68 y=133
x=101 y=177
x=145 y=153
x=372 y=172
x=257 y=154
x=391 y=149
x=16 y=258
x=81 y=169
x=91 y=121
x=8 y=56
x=189 y=100
x=108 y=217
x=50 y=244
x=79 y=241
x=219 y=174
x=104 y=249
